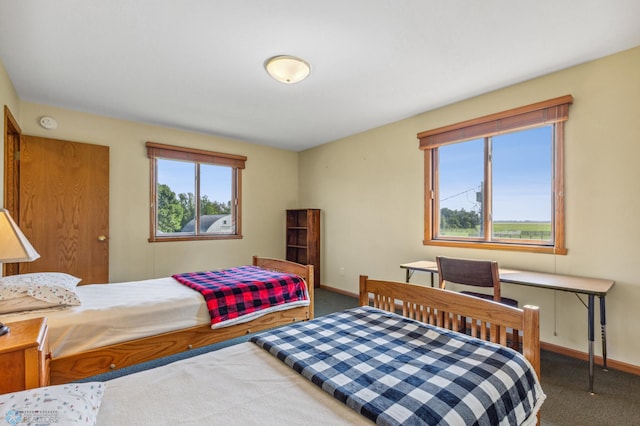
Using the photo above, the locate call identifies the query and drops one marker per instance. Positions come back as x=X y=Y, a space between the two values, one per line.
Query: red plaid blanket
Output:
x=234 y=292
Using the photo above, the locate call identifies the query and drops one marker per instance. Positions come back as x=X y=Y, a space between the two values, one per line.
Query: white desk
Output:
x=591 y=287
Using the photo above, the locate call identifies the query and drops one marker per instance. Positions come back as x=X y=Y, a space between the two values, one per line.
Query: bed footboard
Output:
x=443 y=308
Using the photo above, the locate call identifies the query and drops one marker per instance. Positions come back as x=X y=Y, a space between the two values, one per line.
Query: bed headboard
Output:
x=279 y=265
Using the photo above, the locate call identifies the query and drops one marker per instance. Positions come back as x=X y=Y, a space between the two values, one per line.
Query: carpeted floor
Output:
x=564 y=380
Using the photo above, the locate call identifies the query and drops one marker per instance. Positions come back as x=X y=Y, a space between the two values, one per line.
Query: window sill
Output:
x=194 y=238
x=497 y=246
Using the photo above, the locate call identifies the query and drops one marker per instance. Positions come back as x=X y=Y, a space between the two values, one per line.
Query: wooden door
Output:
x=64 y=207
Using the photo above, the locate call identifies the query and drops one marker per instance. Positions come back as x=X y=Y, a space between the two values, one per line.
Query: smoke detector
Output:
x=48 y=123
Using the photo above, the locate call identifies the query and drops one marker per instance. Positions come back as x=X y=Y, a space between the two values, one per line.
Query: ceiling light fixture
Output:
x=287 y=69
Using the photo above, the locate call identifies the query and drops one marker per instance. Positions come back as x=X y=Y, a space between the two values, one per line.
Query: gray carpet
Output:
x=564 y=380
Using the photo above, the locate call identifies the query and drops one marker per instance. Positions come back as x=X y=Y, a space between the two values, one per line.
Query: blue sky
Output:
x=179 y=175
x=522 y=173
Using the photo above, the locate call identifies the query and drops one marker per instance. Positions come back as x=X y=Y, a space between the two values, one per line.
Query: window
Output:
x=195 y=194
x=497 y=182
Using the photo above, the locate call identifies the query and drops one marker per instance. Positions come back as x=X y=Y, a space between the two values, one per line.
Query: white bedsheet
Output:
x=238 y=385
x=115 y=313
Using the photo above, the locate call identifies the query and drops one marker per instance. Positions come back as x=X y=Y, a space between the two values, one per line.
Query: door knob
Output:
x=102 y=238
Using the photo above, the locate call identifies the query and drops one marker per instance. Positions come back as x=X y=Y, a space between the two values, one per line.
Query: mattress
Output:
x=115 y=313
x=238 y=385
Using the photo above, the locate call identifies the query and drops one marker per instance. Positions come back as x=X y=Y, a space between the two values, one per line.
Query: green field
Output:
x=512 y=230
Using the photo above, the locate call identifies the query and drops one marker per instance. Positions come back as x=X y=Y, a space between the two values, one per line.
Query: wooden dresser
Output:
x=24 y=356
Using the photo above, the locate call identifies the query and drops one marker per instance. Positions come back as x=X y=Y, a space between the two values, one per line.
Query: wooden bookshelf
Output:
x=303 y=239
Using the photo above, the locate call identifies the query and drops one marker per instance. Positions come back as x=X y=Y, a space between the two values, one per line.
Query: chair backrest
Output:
x=481 y=273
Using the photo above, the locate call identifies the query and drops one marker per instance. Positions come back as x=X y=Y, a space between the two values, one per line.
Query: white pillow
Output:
x=70 y=404
x=53 y=288
x=26 y=303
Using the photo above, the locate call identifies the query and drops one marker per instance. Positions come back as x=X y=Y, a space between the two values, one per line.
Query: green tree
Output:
x=213 y=207
x=187 y=201
x=174 y=212
x=170 y=211
x=458 y=219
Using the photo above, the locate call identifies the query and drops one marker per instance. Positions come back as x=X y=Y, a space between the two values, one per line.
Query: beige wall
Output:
x=8 y=95
x=270 y=185
x=9 y=98
x=370 y=188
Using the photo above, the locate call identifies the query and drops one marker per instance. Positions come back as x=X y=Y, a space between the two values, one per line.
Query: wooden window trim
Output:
x=157 y=150
x=546 y=112
x=237 y=162
x=553 y=111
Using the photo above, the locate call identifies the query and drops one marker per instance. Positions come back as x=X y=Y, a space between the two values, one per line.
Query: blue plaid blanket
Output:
x=397 y=371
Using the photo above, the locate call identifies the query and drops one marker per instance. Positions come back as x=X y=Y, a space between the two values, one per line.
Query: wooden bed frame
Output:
x=447 y=309
x=101 y=360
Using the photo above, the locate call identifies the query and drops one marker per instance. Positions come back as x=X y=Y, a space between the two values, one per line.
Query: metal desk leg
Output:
x=408 y=275
x=603 y=332
x=590 y=320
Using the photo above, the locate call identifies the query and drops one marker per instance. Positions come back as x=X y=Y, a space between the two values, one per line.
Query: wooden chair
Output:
x=478 y=273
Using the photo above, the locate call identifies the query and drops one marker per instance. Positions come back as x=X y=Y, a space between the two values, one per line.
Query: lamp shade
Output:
x=287 y=69
x=14 y=246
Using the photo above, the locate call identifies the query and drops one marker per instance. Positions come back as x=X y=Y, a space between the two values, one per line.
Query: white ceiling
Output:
x=198 y=64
